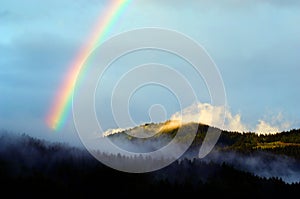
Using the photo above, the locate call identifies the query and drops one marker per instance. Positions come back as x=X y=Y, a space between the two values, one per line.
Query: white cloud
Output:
x=234 y=123
x=276 y=124
x=201 y=112
x=213 y=115
x=112 y=131
x=264 y=128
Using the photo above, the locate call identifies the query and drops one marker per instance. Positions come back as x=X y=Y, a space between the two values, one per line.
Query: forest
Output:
x=285 y=143
x=30 y=167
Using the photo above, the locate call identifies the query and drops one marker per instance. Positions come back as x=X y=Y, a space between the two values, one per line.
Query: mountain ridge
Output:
x=286 y=142
x=24 y=157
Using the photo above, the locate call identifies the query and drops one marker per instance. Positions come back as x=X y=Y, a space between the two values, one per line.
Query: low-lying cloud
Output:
x=112 y=131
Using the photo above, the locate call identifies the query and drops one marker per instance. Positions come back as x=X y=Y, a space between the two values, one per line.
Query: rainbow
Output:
x=62 y=102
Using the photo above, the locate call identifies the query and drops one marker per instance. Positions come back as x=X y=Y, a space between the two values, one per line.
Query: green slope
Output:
x=285 y=143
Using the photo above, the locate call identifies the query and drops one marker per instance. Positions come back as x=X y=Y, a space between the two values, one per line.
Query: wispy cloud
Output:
x=211 y=115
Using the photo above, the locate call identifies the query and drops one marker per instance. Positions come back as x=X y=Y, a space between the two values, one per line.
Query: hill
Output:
x=273 y=155
x=282 y=143
x=237 y=167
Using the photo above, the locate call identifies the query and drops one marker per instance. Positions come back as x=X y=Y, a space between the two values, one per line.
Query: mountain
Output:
x=157 y=135
x=272 y=155
x=241 y=165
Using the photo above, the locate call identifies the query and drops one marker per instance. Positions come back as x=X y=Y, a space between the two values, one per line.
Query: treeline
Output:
x=283 y=143
x=292 y=136
x=34 y=168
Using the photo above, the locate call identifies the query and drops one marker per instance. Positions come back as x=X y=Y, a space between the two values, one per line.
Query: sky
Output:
x=254 y=44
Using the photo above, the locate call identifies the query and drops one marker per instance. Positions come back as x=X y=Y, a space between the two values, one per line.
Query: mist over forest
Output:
x=240 y=164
